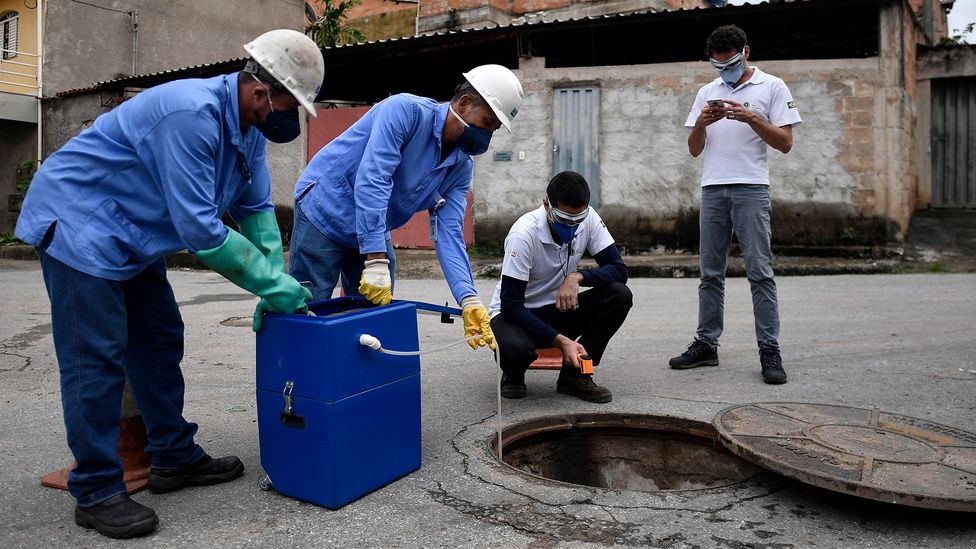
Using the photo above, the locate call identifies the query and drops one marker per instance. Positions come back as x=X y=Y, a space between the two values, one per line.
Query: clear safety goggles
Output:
x=560 y=216
x=732 y=63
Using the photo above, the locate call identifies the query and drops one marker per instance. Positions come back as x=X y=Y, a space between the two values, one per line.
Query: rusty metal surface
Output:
x=877 y=455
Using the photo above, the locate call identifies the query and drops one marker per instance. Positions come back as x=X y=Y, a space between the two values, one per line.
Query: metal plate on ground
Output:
x=877 y=455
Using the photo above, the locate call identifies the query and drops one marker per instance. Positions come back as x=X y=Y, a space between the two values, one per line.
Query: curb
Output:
x=685 y=266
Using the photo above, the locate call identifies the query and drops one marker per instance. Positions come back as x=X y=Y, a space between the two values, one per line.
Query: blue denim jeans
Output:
x=317 y=260
x=107 y=332
x=744 y=210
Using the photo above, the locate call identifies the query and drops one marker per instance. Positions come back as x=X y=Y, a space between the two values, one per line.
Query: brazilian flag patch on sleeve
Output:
x=791 y=105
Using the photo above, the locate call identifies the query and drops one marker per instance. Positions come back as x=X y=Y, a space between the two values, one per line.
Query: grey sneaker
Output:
x=772 y=367
x=698 y=354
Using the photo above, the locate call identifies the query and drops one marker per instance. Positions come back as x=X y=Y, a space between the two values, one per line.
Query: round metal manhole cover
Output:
x=876 y=455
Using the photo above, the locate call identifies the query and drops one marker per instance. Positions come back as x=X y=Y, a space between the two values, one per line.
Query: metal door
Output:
x=954 y=143
x=576 y=135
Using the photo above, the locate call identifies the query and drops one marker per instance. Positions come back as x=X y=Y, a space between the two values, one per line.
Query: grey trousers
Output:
x=744 y=210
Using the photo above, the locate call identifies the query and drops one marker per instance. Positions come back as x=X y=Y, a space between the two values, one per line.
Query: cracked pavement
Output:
x=898 y=343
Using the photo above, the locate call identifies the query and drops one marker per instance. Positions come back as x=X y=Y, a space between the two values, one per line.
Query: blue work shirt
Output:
x=382 y=170
x=149 y=178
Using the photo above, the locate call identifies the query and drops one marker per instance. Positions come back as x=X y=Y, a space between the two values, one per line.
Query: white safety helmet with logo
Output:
x=500 y=88
x=294 y=60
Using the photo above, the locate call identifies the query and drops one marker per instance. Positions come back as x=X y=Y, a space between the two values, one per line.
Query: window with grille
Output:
x=8 y=28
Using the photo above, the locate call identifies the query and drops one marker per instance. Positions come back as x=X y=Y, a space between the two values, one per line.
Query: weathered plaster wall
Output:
x=85 y=44
x=18 y=143
x=845 y=177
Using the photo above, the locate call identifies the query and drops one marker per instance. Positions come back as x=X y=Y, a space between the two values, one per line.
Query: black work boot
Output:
x=513 y=387
x=571 y=382
x=202 y=472
x=698 y=354
x=117 y=517
x=772 y=366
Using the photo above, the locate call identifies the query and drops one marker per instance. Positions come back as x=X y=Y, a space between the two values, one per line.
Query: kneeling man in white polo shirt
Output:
x=735 y=119
x=537 y=304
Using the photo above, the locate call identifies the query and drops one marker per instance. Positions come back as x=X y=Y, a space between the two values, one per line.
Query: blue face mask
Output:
x=731 y=70
x=565 y=232
x=731 y=76
x=279 y=126
x=474 y=140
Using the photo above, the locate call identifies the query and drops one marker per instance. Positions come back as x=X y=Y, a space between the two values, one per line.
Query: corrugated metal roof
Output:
x=207 y=69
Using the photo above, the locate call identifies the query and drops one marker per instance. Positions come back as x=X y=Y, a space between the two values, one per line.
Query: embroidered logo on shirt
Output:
x=791 y=105
x=514 y=253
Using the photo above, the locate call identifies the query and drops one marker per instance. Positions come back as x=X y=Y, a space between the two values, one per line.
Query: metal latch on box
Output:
x=288 y=418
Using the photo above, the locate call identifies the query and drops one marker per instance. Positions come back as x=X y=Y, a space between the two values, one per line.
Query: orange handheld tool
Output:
x=586 y=363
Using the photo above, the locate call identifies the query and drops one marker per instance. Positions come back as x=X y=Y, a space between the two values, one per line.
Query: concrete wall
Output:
x=85 y=44
x=845 y=177
x=380 y=19
x=391 y=24
x=18 y=143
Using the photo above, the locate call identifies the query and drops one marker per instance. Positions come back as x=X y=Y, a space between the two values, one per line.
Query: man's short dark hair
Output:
x=465 y=88
x=264 y=76
x=568 y=189
x=727 y=38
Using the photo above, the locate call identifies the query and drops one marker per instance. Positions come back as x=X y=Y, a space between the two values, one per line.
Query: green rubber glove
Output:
x=242 y=263
x=262 y=230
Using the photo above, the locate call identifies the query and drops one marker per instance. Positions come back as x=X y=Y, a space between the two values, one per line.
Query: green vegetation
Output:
x=25 y=173
x=484 y=251
x=8 y=239
x=328 y=30
x=959 y=38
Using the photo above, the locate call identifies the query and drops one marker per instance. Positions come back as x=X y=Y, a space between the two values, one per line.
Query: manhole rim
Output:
x=491 y=450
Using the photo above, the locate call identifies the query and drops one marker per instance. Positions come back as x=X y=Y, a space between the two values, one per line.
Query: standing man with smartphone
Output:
x=734 y=120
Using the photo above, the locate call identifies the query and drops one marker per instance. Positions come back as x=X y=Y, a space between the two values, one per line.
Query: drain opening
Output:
x=622 y=452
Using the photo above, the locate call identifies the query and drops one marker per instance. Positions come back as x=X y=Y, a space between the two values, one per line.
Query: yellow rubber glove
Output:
x=375 y=284
x=476 y=321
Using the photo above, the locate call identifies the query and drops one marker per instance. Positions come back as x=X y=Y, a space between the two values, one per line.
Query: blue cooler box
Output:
x=337 y=420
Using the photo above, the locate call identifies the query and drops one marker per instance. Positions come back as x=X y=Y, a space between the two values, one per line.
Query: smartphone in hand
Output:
x=716 y=103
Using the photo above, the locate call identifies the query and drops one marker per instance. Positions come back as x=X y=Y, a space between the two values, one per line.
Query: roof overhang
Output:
x=431 y=65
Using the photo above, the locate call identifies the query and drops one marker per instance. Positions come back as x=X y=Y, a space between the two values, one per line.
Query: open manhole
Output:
x=622 y=452
x=861 y=452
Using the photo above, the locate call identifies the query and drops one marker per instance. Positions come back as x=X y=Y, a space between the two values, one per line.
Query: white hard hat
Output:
x=500 y=88
x=294 y=60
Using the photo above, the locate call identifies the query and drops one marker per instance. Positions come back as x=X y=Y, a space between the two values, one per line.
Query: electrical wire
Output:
x=99 y=7
x=372 y=342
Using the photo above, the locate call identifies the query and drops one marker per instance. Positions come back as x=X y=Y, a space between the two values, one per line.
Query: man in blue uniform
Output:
x=406 y=155
x=150 y=178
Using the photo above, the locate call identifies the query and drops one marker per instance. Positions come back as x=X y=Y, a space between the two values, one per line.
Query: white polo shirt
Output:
x=734 y=153
x=532 y=256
